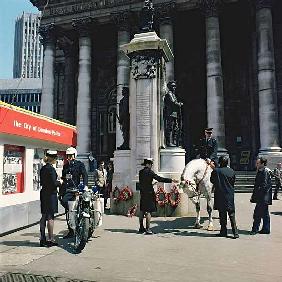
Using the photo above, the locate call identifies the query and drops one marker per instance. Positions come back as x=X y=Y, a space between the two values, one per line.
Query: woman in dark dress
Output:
x=48 y=198
x=147 y=194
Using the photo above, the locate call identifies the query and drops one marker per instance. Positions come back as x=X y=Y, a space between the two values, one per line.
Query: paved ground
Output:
x=177 y=253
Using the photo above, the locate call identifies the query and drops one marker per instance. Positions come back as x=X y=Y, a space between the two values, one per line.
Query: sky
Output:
x=9 y=11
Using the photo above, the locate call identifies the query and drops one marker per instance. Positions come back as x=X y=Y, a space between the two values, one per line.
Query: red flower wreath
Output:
x=132 y=211
x=174 y=197
x=116 y=194
x=161 y=196
x=125 y=194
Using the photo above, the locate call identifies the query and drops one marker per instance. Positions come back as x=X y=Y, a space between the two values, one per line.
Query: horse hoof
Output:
x=197 y=226
x=210 y=228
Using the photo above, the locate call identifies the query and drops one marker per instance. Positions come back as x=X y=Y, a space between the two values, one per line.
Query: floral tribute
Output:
x=174 y=197
x=125 y=194
x=132 y=211
x=161 y=196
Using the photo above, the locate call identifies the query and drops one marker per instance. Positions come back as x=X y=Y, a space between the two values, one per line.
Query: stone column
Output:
x=47 y=33
x=69 y=49
x=268 y=114
x=165 y=15
x=215 y=99
x=123 y=63
x=83 y=120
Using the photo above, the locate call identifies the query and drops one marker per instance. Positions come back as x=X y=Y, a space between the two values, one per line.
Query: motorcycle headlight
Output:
x=86 y=196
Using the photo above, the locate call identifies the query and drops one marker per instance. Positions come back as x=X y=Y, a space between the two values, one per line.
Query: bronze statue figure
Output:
x=172 y=117
x=147 y=17
x=124 y=118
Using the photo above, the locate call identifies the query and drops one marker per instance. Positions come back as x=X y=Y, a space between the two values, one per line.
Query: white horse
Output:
x=195 y=181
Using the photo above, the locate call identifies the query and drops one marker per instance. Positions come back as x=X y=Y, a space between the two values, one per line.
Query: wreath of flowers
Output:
x=174 y=197
x=116 y=194
x=125 y=194
x=161 y=196
x=132 y=211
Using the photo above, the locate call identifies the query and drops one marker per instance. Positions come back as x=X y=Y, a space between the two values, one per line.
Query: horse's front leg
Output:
x=198 y=216
x=209 y=210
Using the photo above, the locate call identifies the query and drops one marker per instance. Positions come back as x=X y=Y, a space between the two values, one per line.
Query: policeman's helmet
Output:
x=71 y=151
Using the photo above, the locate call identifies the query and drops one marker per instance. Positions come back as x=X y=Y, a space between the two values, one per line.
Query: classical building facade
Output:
x=28 y=50
x=227 y=63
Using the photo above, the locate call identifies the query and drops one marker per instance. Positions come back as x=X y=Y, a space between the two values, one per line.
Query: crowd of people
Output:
x=222 y=178
x=54 y=188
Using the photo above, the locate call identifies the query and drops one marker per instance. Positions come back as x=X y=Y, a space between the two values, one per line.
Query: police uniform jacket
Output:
x=147 y=193
x=223 y=179
x=77 y=170
x=48 y=193
x=262 y=193
x=208 y=149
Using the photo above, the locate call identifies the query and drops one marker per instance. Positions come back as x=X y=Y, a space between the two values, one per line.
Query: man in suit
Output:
x=262 y=196
x=207 y=148
x=223 y=179
x=147 y=194
x=277 y=173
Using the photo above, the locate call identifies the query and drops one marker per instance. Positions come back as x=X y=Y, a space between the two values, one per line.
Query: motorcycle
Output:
x=83 y=217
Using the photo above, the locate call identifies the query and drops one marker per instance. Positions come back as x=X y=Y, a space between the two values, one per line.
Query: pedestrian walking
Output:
x=262 y=196
x=223 y=179
x=92 y=162
x=277 y=173
x=48 y=198
x=147 y=194
x=100 y=178
x=110 y=173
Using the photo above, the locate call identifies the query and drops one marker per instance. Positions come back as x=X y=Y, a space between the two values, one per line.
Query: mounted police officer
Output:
x=207 y=148
x=72 y=173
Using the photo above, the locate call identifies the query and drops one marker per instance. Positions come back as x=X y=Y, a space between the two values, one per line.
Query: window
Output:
x=112 y=119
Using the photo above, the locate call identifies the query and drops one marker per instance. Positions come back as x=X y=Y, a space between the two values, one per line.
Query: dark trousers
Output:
x=64 y=202
x=223 y=221
x=103 y=191
x=277 y=187
x=261 y=212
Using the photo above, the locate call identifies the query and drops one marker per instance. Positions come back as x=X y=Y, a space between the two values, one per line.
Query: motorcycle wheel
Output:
x=81 y=234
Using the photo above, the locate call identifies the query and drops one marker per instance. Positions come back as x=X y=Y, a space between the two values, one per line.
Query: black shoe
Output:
x=69 y=235
x=264 y=232
x=253 y=232
x=275 y=198
x=43 y=243
x=235 y=236
x=149 y=232
x=141 y=230
x=51 y=243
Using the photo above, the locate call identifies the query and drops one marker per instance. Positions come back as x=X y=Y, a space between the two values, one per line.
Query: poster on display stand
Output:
x=13 y=173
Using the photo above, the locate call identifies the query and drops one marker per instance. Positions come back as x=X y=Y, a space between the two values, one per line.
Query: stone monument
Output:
x=148 y=54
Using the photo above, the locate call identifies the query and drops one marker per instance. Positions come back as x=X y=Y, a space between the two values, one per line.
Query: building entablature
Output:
x=64 y=12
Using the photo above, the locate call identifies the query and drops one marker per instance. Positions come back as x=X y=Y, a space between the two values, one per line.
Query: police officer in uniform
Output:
x=72 y=173
x=48 y=198
x=208 y=147
x=147 y=194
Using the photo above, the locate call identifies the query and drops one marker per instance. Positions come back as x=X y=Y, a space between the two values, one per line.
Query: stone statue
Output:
x=124 y=118
x=172 y=117
x=147 y=17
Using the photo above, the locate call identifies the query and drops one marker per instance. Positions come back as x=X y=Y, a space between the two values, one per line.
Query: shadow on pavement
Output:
x=277 y=213
x=20 y=243
x=122 y=230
